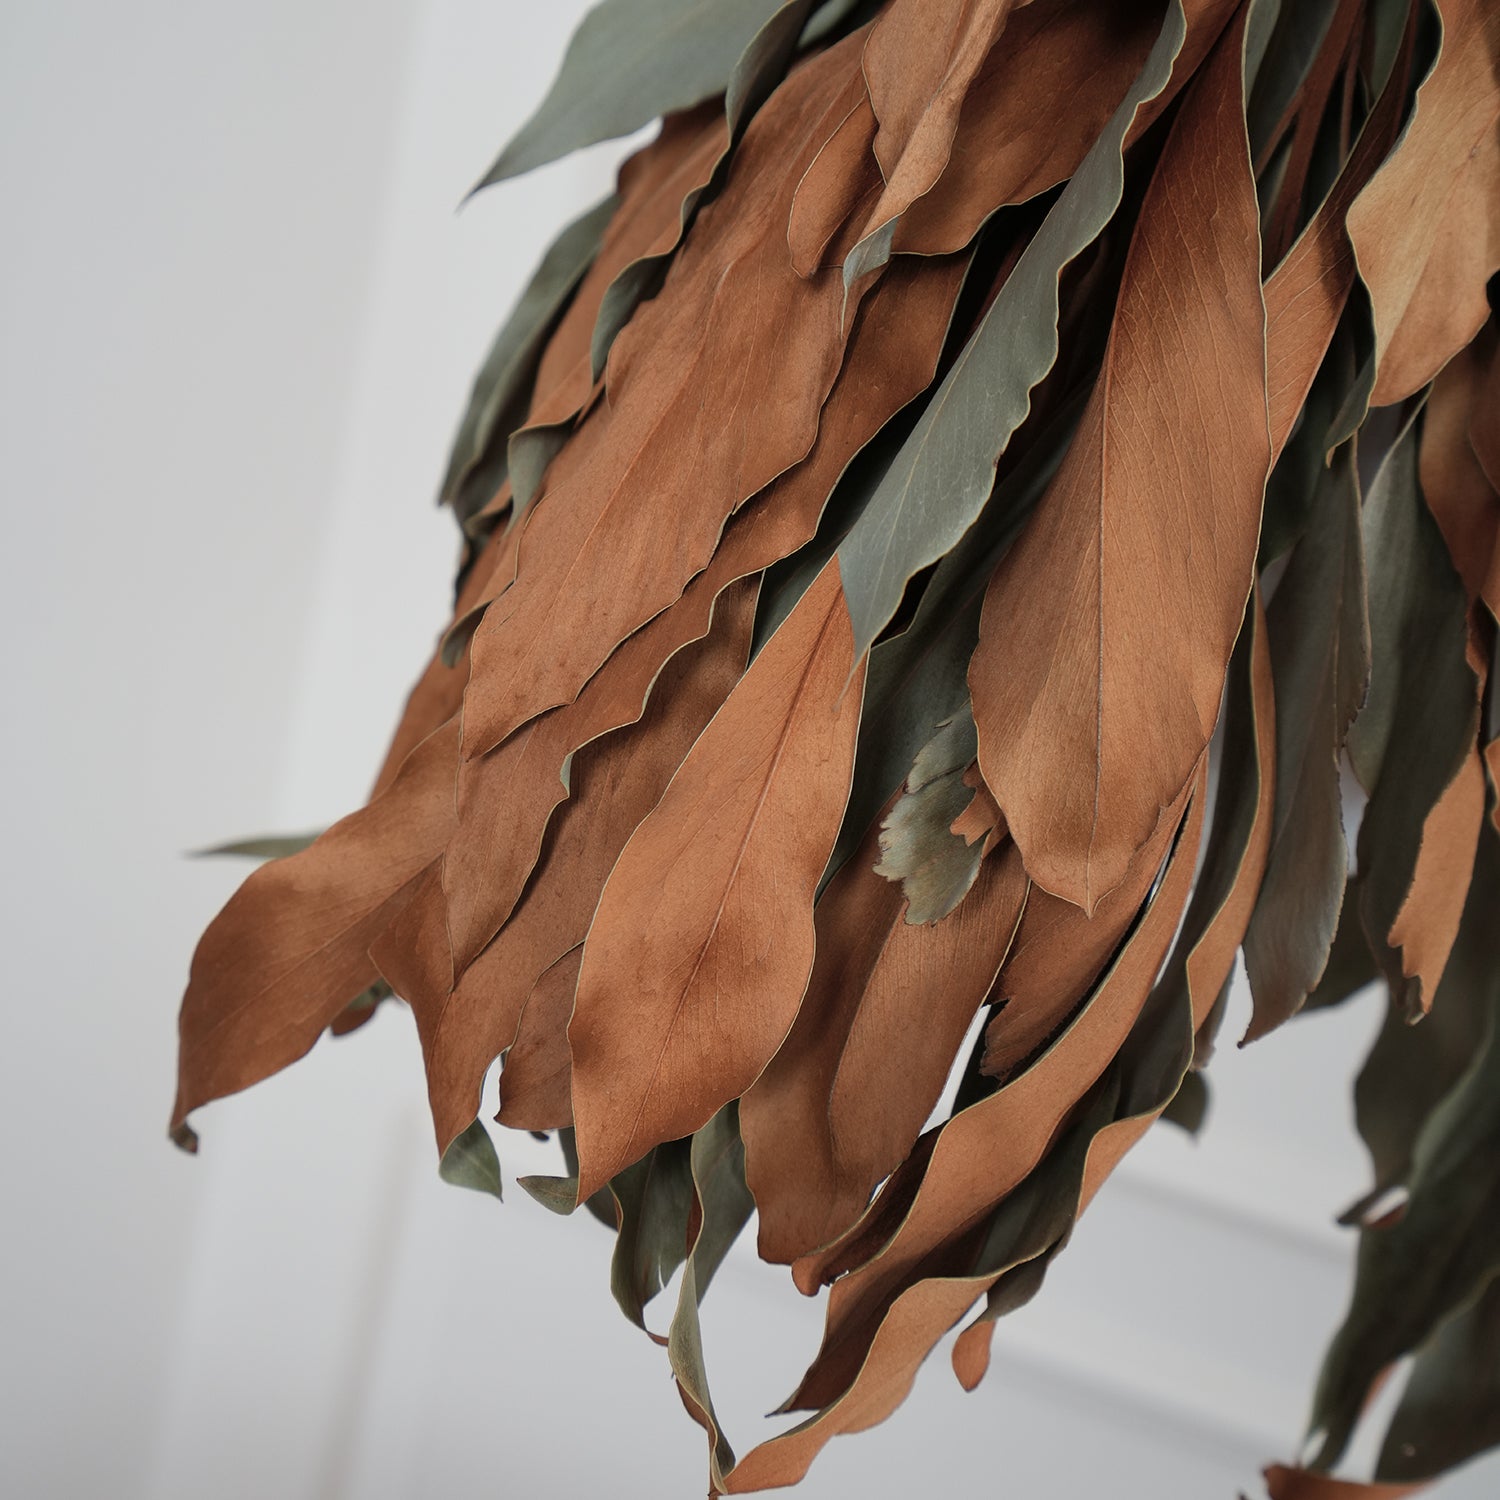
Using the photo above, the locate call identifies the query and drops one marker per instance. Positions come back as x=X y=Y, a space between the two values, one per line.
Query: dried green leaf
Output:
x=471 y=1162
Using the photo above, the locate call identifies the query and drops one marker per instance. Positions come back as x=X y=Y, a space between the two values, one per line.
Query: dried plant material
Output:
x=676 y=967
x=1107 y=629
x=290 y=950
x=536 y=1084
x=1426 y=231
x=615 y=785
x=630 y=61
x=943 y=450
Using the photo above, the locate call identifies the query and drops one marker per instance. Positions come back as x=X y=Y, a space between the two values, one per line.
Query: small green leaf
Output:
x=560 y=1194
x=470 y=1161
x=270 y=846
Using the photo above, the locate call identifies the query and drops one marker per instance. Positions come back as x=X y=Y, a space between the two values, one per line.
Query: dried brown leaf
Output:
x=701 y=947
x=1426 y=231
x=1108 y=627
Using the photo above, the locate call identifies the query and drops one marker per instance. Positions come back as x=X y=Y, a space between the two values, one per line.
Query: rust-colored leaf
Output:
x=289 y=950
x=1426 y=230
x=1286 y=1483
x=1013 y=141
x=982 y=818
x=885 y=1316
x=715 y=390
x=536 y=1083
x=886 y=1010
x=1108 y=627
x=700 y=951
x=920 y=63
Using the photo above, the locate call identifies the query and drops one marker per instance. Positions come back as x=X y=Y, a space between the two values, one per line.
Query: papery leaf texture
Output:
x=991 y=528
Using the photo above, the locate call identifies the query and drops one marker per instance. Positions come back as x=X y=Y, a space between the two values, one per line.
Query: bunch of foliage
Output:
x=968 y=424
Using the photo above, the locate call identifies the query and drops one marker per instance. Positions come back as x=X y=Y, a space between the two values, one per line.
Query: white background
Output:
x=238 y=316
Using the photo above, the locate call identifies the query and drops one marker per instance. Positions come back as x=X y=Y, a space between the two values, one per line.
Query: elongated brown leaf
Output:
x=881 y=1322
x=731 y=363
x=1108 y=627
x=1012 y=140
x=920 y=63
x=886 y=1010
x=784 y=1115
x=289 y=950
x=1426 y=231
x=536 y=1083
x=682 y=999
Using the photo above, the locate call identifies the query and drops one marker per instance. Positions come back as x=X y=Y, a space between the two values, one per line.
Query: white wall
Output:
x=239 y=317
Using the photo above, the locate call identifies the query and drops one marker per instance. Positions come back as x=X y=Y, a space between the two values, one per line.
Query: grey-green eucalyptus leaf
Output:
x=1450 y=1409
x=1420 y=1269
x=503 y=385
x=1422 y=714
x=629 y=62
x=1320 y=654
x=470 y=1161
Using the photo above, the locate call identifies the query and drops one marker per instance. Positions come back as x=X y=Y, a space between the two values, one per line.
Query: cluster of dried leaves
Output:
x=968 y=422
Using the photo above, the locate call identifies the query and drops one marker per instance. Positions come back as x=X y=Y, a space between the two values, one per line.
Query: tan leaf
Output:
x=982 y=818
x=1285 y=1483
x=920 y=63
x=845 y=1098
x=1305 y=294
x=289 y=950
x=1108 y=627
x=1012 y=140
x=702 y=945
x=536 y=1083
x=1426 y=230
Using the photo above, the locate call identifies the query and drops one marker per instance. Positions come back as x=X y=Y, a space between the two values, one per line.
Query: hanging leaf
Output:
x=290 y=949
x=1320 y=654
x=628 y=62
x=734 y=848
x=1426 y=231
x=1108 y=626
x=935 y=866
x=471 y=1162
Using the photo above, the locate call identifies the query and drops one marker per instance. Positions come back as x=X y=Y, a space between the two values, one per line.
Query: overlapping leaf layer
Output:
x=945 y=543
